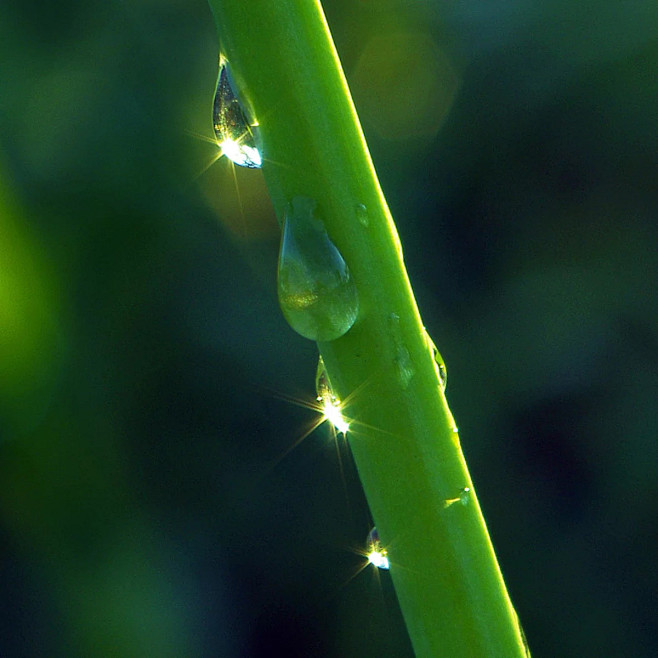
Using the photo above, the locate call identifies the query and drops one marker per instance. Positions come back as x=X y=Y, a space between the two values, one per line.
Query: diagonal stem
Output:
x=403 y=437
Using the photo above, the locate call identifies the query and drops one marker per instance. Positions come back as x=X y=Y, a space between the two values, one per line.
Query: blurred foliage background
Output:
x=146 y=374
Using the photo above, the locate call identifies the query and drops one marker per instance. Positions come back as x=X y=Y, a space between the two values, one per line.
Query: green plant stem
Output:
x=403 y=436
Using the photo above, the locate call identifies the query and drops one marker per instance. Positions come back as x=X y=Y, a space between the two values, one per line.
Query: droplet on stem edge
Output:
x=376 y=554
x=316 y=291
x=234 y=132
x=439 y=364
x=330 y=404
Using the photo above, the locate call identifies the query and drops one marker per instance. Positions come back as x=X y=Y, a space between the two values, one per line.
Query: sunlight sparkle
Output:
x=331 y=412
x=240 y=154
x=378 y=558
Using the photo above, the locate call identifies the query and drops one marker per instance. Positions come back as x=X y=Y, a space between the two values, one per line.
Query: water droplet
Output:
x=463 y=498
x=233 y=130
x=376 y=554
x=322 y=384
x=443 y=375
x=362 y=215
x=439 y=364
x=404 y=367
x=330 y=405
x=317 y=294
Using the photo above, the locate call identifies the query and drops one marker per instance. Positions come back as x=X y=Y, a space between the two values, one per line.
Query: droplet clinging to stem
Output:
x=330 y=404
x=234 y=131
x=439 y=363
x=317 y=293
x=376 y=554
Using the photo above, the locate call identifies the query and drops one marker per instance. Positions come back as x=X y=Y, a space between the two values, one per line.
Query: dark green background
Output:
x=145 y=369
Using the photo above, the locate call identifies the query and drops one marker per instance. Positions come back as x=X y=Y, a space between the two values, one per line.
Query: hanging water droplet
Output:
x=317 y=294
x=439 y=364
x=403 y=365
x=376 y=554
x=362 y=215
x=329 y=404
x=233 y=130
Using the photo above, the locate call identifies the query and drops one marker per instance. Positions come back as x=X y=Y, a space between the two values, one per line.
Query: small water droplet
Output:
x=362 y=215
x=233 y=130
x=463 y=498
x=404 y=367
x=330 y=405
x=439 y=364
x=322 y=384
x=376 y=554
x=317 y=294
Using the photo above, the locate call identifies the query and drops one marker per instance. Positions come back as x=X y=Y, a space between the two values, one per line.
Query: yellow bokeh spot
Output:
x=404 y=85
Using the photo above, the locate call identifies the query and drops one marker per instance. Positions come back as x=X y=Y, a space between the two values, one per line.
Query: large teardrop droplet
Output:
x=233 y=130
x=317 y=294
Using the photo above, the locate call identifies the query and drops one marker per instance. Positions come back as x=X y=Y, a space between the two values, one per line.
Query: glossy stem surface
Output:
x=402 y=435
